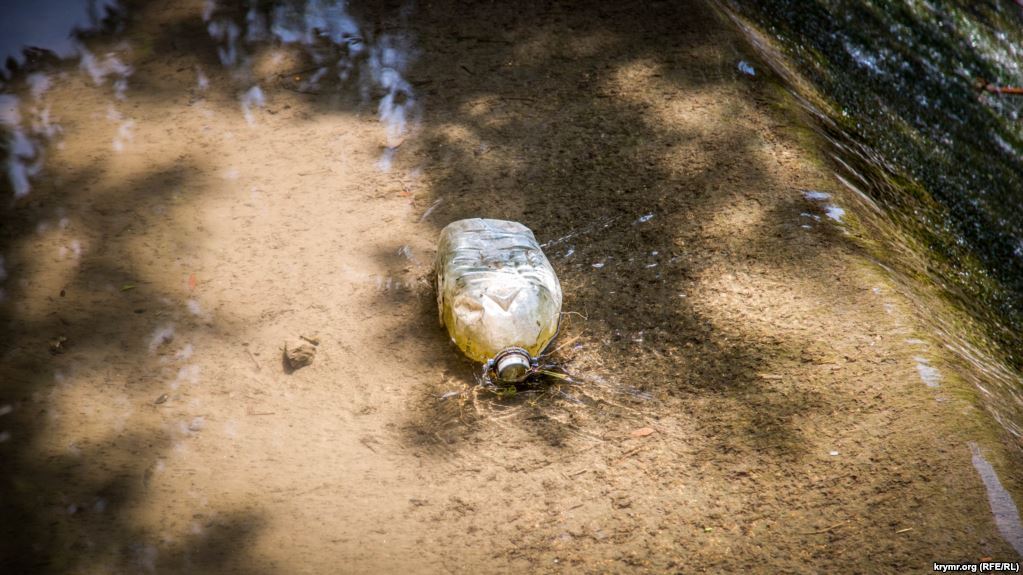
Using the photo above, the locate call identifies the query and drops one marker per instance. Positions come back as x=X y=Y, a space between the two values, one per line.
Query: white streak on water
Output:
x=162 y=335
x=23 y=159
x=109 y=65
x=124 y=135
x=379 y=63
x=863 y=57
x=1002 y=506
x=834 y=212
x=184 y=353
x=202 y=82
x=255 y=25
x=208 y=8
x=858 y=191
x=386 y=159
x=253 y=98
x=429 y=210
x=225 y=32
x=816 y=196
x=188 y=374
x=929 y=374
x=38 y=84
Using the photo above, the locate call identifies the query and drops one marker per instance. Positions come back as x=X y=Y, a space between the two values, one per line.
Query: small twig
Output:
x=404 y=187
x=826 y=529
x=903 y=530
x=253 y=358
x=262 y=413
x=1009 y=90
x=564 y=344
x=985 y=86
x=467 y=70
x=630 y=452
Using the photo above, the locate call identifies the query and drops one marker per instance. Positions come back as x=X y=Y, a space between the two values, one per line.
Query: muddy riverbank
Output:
x=762 y=396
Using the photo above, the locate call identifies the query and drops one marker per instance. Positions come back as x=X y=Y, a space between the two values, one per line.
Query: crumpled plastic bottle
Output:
x=497 y=294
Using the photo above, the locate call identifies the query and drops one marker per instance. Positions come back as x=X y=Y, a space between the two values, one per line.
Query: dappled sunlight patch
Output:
x=485 y=109
x=465 y=141
x=741 y=220
x=84 y=409
x=634 y=73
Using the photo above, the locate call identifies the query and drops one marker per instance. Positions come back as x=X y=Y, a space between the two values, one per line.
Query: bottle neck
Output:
x=512 y=365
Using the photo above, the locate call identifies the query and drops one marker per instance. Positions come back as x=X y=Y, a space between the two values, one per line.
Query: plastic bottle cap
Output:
x=512 y=366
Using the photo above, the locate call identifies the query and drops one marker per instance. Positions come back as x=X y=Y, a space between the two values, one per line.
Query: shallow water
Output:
x=1002 y=506
x=937 y=161
x=199 y=184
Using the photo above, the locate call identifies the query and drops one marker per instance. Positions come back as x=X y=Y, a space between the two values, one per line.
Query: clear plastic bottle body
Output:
x=495 y=288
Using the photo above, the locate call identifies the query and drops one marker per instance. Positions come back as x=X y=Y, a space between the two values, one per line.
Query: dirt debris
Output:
x=299 y=355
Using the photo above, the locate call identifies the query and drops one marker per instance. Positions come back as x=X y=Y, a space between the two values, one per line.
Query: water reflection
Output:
x=934 y=163
x=340 y=53
x=902 y=82
x=31 y=33
x=31 y=29
x=333 y=48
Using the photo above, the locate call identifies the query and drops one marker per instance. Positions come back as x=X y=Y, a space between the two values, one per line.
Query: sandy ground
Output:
x=754 y=399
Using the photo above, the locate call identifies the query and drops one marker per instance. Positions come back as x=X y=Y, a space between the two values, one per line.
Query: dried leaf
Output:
x=643 y=431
